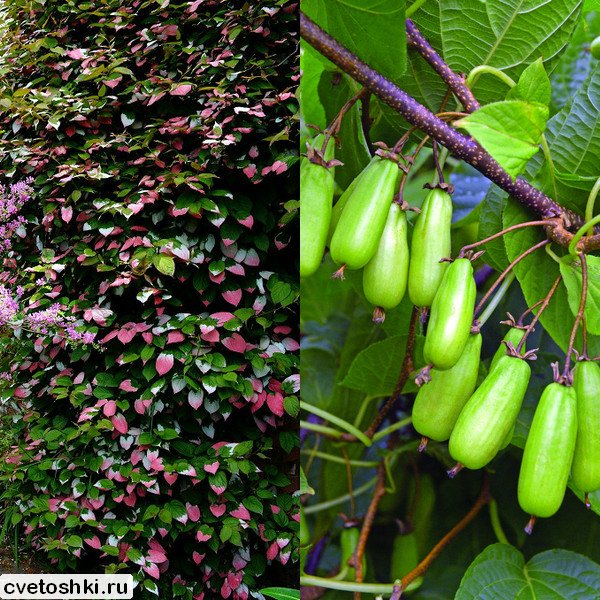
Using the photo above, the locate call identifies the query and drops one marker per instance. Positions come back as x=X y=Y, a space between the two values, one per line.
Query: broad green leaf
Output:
x=311 y=109
x=570 y=267
x=576 y=63
x=281 y=593
x=507 y=34
x=500 y=572
x=510 y=131
x=165 y=264
x=376 y=369
x=352 y=150
x=371 y=29
x=490 y=222
x=574 y=139
x=533 y=85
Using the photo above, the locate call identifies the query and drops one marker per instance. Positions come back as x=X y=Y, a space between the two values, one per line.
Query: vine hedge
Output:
x=159 y=135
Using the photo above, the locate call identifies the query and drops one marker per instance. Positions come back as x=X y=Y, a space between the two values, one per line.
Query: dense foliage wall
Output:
x=159 y=135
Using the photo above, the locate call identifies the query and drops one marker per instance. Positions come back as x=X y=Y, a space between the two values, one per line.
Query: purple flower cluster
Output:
x=12 y=200
x=48 y=321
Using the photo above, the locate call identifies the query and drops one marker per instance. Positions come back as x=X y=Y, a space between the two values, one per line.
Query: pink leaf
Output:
x=212 y=468
x=203 y=537
x=164 y=363
x=110 y=408
x=218 y=510
x=170 y=478
x=174 y=337
x=241 y=513
x=152 y=570
x=235 y=343
x=181 y=90
x=193 y=512
x=233 y=296
x=272 y=551
x=275 y=403
x=120 y=423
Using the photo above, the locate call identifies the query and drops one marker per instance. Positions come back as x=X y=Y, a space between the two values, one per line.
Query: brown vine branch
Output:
x=579 y=317
x=405 y=371
x=535 y=319
x=505 y=273
x=458 y=144
x=357 y=559
x=455 y=82
x=484 y=498
x=468 y=247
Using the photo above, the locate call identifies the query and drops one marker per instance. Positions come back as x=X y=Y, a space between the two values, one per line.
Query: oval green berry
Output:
x=439 y=402
x=363 y=218
x=430 y=243
x=385 y=275
x=586 y=461
x=348 y=543
x=490 y=414
x=548 y=452
x=316 y=198
x=405 y=555
x=595 y=47
x=451 y=316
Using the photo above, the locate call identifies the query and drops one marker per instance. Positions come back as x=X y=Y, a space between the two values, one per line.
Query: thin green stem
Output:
x=496 y=524
x=548 y=157
x=363 y=409
x=315 y=508
x=481 y=69
x=491 y=307
x=319 y=412
x=339 y=459
x=589 y=207
x=413 y=8
x=580 y=233
x=321 y=429
x=352 y=586
x=398 y=425
x=552 y=254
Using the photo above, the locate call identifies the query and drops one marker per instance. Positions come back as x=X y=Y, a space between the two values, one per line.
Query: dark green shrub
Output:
x=158 y=135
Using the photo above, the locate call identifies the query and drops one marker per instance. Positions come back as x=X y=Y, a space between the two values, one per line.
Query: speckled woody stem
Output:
x=454 y=81
x=460 y=145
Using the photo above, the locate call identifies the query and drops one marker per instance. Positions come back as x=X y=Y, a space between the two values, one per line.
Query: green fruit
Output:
x=385 y=275
x=363 y=218
x=316 y=198
x=513 y=335
x=508 y=439
x=430 y=243
x=548 y=452
x=338 y=207
x=348 y=543
x=586 y=462
x=451 y=316
x=422 y=509
x=440 y=401
x=489 y=415
x=595 y=47
x=405 y=555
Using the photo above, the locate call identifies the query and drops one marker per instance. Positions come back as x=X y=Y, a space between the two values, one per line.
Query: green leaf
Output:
x=507 y=34
x=500 y=572
x=281 y=593
x=510 y=131
x=574 y=140
x=375 y=370
x=371 y=29
x=533 y=85
x=490 y=222
x=570 y=267
x=304 y=487
x=165 y=264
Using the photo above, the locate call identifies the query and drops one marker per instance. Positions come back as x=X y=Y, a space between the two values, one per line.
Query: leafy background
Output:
x=349 y=366
x=160 y=136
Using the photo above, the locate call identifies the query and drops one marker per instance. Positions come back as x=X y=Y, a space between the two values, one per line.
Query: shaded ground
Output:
x=26 y=563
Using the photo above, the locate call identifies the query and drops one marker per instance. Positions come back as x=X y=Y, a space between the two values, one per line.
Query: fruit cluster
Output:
x=367 y=229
